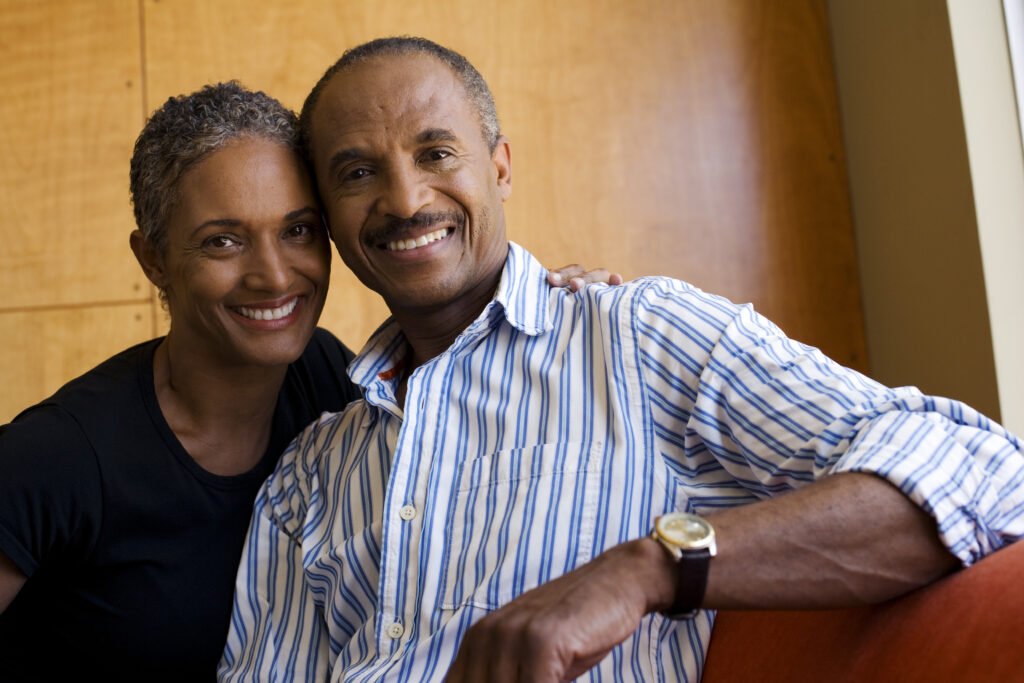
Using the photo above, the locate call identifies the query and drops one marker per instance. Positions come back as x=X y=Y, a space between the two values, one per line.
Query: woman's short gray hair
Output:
x=186 y=129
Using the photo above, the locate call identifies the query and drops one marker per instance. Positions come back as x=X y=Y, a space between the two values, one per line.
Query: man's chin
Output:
x=423 y=299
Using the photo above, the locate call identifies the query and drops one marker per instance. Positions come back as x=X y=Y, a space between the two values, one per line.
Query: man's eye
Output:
x=438 y=155
x=357 y=174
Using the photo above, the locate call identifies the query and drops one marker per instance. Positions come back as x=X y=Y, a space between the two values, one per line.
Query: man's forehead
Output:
x=390 y=90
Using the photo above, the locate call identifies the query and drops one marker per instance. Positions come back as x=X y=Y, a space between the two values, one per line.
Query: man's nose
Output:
x=405 y=193
x=268 y=267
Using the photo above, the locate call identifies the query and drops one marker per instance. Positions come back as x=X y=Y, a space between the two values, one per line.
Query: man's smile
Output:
x=417 y=242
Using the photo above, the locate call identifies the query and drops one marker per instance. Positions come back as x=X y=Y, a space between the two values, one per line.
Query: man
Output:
x=486 y=512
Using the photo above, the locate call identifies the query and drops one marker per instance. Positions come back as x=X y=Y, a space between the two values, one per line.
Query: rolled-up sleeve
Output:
x=964 y=470
x=778 y=415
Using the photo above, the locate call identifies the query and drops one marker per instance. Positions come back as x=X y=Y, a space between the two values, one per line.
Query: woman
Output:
x=126 y=495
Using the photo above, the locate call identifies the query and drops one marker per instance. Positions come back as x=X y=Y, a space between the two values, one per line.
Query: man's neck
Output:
x=430 y=331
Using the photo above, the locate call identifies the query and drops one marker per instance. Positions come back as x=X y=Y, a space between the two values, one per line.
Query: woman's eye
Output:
x=302 y=231
x=220 y=242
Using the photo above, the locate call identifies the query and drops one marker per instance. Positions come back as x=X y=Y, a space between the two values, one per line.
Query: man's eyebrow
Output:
x=430 y=135
x=342 y=156
x=436 y=135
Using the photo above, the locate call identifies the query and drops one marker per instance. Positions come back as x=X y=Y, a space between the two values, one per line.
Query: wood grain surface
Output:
x=694 y=139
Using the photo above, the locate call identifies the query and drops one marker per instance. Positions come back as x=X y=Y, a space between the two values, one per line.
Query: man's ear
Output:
x=502 y=158
x=149 y=259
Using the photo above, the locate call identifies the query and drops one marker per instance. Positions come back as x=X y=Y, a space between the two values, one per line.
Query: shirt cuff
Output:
x=919 y=455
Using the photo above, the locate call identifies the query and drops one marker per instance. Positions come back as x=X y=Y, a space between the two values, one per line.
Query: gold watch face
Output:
x=686 y=531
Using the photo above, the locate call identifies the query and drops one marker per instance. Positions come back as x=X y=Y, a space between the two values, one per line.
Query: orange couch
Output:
x=967 y=627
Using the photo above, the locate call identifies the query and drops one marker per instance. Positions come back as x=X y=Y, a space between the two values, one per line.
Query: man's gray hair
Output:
x=476 y=87
x=184 y=131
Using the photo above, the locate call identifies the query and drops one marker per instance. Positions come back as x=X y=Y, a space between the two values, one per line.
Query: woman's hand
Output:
x=576 y=278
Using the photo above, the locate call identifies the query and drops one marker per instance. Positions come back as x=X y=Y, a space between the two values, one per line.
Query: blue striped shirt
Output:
x=556 y=426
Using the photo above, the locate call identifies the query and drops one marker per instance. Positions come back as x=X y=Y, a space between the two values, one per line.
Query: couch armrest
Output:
x=967 y=627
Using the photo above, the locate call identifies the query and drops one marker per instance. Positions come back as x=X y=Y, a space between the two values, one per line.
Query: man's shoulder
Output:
x=323 y=442
x=319 y=452
x=665 y=294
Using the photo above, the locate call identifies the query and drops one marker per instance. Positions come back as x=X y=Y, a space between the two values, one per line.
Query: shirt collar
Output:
x=523 y=292
x=521 y=299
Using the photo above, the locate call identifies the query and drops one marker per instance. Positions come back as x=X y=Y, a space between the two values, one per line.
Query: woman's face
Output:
x=247 y=262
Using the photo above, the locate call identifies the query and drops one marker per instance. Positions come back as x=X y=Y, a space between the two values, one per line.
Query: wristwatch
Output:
x=690 y=540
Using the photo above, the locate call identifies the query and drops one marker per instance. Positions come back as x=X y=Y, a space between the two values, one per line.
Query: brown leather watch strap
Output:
x=691 y=582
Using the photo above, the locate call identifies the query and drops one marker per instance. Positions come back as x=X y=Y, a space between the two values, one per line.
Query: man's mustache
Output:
x=396 y=228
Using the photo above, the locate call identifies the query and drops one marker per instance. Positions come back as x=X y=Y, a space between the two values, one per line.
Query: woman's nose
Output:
x=268 y=268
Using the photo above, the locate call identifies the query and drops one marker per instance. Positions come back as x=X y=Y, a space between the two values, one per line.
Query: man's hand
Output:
x=576 y=278
x=561 y=629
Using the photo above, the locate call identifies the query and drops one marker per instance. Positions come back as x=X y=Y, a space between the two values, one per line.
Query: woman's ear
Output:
x=149 y=259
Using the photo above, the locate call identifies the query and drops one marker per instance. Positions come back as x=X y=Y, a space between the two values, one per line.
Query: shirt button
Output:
x=395 y=630
x=407 y=512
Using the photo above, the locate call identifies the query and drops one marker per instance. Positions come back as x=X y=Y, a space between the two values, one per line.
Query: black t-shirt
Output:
x=130 y=546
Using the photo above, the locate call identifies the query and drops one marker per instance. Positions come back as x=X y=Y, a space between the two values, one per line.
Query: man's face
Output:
x=412 y=192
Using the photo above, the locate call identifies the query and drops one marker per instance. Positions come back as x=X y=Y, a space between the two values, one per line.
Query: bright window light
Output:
x=1013 y=11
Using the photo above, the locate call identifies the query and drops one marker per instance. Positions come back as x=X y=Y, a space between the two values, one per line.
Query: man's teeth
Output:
x=421 y=241
x=269 y=313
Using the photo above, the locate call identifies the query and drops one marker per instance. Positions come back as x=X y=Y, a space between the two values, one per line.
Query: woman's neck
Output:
x=222 y=414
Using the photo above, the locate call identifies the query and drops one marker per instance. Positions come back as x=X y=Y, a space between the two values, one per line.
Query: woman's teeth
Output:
x=422 y=241
x=268 y=313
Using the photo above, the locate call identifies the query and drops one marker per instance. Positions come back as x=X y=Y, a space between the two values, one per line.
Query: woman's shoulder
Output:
x=99 y=391
x=324 y=347
x=319 y=378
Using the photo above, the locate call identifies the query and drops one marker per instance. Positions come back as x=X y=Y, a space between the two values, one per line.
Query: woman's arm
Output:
x=11 y=581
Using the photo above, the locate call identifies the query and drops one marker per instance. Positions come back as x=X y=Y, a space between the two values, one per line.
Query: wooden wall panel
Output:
x=43 y=349
x=695 y=139
x=70 y=75
x=680 y=137
x=677 y=137
x=71 y=78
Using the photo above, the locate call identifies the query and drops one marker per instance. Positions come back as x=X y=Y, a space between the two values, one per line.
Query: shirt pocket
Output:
x=520 y=518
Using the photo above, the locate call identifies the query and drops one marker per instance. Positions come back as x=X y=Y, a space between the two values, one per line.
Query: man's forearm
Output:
x=848 y=539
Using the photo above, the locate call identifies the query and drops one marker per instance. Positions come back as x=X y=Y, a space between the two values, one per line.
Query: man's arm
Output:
x=848 y=539
x=856 y=474
x=276 y=630
x=11 y=581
